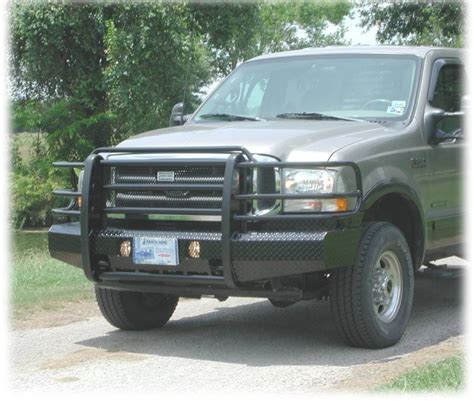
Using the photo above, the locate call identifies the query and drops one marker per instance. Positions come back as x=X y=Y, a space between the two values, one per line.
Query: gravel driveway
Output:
x=238 y=345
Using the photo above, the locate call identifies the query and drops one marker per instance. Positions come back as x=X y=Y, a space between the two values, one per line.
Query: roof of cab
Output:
x=419 y=51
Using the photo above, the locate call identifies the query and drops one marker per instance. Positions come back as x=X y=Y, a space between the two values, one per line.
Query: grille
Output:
x=167 y=198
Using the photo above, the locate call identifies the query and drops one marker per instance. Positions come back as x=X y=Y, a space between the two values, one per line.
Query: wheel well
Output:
x=404 y=214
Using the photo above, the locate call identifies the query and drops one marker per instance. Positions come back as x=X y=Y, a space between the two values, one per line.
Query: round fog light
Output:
x=125 y=248
x=194 y=249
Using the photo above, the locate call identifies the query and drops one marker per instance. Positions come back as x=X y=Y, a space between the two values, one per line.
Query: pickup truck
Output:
x=330 y=173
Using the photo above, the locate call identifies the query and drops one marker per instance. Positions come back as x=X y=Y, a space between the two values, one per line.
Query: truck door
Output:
x=444 y=214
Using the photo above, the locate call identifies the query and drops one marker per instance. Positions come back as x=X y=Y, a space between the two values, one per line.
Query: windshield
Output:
x=346 y=86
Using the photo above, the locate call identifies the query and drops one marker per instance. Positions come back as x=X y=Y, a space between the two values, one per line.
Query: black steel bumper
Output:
x=254 y=255
x=231 y=257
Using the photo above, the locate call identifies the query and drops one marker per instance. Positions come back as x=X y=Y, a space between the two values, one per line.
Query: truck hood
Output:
x=287 y=140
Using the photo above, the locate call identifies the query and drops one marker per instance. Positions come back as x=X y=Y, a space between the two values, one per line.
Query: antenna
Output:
x=185 y=89
x=186 y=78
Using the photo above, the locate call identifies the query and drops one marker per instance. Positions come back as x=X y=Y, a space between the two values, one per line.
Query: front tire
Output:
x=128 y=310
x=371 y=301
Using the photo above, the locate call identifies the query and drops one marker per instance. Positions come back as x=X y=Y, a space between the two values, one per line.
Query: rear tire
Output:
x=371 y=301
x=128 y=310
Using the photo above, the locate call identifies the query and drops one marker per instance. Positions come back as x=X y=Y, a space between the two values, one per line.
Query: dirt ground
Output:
x=239 y=345
x=60 y=315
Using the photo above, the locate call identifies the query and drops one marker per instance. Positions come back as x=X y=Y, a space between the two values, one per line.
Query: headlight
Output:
x=313 y=182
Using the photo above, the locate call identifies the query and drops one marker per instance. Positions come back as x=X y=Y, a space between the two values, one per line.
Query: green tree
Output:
x=238 y=31
x=151 y=56
x=429 y=22
x=301 y=24
x=57 y=59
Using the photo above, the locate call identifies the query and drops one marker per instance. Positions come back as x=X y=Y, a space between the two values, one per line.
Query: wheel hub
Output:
x=387 y=285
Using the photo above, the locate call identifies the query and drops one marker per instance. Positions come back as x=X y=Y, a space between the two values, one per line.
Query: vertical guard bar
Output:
x=85 y=219
x=227 y=221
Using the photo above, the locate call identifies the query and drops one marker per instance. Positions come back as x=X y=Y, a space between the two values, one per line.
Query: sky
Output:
x=356 y=34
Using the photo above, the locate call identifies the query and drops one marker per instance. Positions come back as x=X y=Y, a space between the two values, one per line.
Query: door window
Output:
x=447 y=95
x=449 y=88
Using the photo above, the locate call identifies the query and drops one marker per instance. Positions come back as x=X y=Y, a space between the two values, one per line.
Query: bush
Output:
x=32 y=199
x=32 y=182
x=56 y=130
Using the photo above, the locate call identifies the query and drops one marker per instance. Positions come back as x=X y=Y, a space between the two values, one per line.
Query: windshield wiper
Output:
x=314 y=116
x=228 y=117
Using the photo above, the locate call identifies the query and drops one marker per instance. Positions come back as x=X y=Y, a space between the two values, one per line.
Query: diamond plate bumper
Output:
x=255 y=255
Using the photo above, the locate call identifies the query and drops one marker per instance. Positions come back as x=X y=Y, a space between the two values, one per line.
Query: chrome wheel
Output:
x=387 y=287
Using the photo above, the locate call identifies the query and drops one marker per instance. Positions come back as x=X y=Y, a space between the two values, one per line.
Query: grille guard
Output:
x=93 y=210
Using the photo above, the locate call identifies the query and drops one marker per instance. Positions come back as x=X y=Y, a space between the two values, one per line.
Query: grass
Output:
x=446 y=375
x=39 y=281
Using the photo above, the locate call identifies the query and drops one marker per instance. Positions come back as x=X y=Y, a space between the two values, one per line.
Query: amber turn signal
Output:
x=79 y=201
x=341 y=205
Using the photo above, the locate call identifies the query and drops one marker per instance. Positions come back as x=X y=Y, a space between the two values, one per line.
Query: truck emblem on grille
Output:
x=165 y=176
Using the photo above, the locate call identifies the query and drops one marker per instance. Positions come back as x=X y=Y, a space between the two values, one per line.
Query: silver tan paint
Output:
x=383 y=152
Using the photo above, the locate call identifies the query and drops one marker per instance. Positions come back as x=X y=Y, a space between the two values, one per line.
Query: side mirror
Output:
x=177 y=117
x=436 y=122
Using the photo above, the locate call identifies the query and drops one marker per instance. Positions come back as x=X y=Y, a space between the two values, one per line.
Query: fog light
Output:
x=194 y=249
x=125 y=249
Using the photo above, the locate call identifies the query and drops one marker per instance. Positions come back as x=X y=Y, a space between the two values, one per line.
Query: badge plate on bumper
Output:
x=155 y=251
